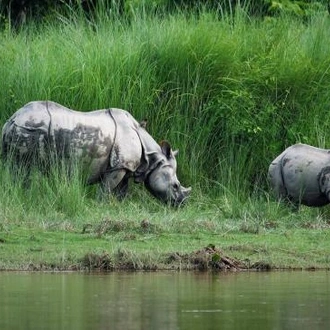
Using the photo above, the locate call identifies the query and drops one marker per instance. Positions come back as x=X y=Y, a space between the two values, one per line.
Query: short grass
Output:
x=70 y=229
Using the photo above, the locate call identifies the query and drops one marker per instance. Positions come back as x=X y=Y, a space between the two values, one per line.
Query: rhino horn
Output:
x=185 y=192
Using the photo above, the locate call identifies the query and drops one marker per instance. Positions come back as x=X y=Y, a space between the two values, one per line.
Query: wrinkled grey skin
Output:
x=110 y=144
x=301 y=175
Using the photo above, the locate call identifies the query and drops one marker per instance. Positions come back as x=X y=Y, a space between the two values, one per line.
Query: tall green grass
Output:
x=230 y=93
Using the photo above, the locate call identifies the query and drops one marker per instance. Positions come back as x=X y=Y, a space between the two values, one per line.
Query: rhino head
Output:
x=162 y=181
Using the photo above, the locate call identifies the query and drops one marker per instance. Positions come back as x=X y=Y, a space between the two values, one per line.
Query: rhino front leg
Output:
x=115 y=183
x=121 y=190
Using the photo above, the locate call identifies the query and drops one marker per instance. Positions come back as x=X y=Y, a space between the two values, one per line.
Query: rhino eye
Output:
x=175 y=186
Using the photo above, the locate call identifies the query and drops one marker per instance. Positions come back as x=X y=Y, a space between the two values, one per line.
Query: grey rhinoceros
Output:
x=301 y=175
x=110 y=144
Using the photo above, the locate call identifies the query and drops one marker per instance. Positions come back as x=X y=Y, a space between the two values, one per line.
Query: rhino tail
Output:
x=3 y=150
x=4 y=143
x=276 y=179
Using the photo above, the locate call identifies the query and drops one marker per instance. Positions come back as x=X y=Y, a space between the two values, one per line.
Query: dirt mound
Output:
x=210 y=258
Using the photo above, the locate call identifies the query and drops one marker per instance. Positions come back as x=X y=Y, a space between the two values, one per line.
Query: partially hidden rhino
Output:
x=110 y=144
x=301 y=175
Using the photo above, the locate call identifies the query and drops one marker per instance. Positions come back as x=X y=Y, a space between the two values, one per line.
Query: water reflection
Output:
x=275 y=300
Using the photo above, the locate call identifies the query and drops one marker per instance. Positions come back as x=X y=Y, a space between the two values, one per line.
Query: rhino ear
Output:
x=166 y=149
x=143 y=123
x=175 y=153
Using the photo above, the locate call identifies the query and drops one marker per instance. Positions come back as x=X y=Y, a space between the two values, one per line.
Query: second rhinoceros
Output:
x=301 y=175
x=110 y=144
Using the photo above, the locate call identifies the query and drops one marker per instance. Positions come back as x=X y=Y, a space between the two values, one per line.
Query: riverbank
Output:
x=149 y=236
x=209 y=86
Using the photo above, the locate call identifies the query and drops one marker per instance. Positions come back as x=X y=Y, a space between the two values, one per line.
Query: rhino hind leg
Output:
x=121 y=190
x=18 y=164
x=19 y=171
x=275 y=178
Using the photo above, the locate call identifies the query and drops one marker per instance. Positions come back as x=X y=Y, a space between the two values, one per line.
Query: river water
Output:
x=169 y=300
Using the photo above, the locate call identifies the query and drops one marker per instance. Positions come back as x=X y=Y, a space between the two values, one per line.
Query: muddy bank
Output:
x=209 y=258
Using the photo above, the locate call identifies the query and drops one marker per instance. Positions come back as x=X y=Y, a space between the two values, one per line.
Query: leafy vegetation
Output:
x=19 y=12
x=229 y=93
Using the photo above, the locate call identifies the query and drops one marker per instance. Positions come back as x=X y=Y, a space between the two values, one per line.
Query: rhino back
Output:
x=301 y=169
x=42 y=129
x=33 y=116
x=86 y=136
x=102 y=140
x=105 y=139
